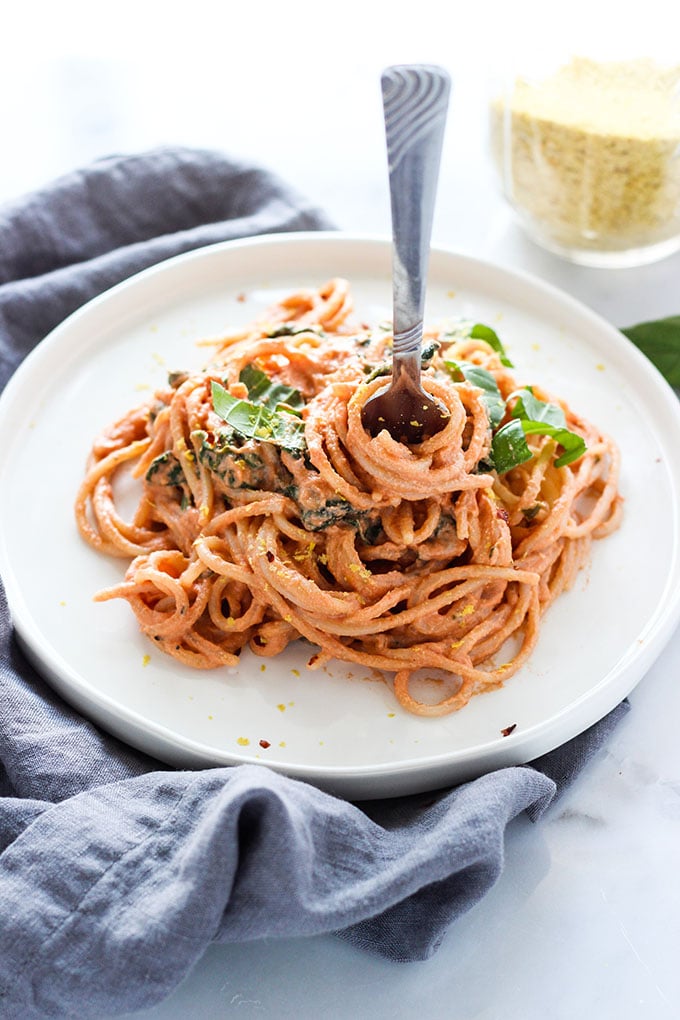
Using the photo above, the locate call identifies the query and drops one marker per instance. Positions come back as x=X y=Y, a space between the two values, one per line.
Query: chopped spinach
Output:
x=294 y=329
x=239 y=468
x=333 y=511
x=165 y=470
x=375 y=371
x=429 y=350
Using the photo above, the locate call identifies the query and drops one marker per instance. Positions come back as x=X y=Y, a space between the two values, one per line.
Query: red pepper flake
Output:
x=265 y=744
x=313 y=660
x=241 y=297
x=270 y=556
x=503 y=514
x=509 y=729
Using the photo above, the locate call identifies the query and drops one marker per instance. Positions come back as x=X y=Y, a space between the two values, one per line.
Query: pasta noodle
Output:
x=282 y=518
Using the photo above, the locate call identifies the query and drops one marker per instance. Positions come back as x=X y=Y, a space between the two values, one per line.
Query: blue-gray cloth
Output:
x=117 y=872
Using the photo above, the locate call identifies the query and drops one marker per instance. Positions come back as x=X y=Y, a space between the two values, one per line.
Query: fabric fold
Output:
x=168 y=863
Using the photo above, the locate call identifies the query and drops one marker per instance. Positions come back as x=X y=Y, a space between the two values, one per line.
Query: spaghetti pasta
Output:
x=268 y=514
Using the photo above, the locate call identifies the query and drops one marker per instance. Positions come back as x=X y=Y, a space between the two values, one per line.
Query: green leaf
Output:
x=261 y=389
x=481 y=332
x=477 y=330
x=491 y=396
x=660 y=342
x=294 y=329
x=254 y=421
x=574 y=446
x=536 y=417
x=530 y=408
x=509 y=447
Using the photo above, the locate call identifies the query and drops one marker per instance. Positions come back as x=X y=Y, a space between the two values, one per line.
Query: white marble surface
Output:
x=585 y=920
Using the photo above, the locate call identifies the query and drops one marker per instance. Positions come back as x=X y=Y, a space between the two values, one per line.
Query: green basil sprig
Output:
x=491 y=396
x=531 y=416
x=478 y=331
x=481 y=332
x=261 y=390
x=255 y=421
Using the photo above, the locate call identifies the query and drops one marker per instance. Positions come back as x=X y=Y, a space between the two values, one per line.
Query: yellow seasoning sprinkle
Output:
x=146 y=659
x=281 y=708
x=295 y=672
x=282 y=743
x=358 y=568
x=62 y=603
x=243 y=741
x=391 y=715
x=600 y=366
x=262 y=668
x=305 y=554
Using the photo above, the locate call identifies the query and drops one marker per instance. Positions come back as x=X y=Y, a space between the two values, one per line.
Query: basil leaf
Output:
x=481 y=378
x=254 y=421
x=261 y=389
x=481 y=332
x=529 y=408
x=574 y=446
x=660 y=342
x=478 y=331
x=509 y=448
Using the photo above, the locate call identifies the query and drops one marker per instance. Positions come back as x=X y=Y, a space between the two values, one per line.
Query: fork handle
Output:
x=415 y=103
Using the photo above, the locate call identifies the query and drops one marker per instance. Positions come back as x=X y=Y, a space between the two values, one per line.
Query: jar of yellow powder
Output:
x=588 y=153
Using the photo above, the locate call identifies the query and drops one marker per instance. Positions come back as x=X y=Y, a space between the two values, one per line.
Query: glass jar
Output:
x=587 y=147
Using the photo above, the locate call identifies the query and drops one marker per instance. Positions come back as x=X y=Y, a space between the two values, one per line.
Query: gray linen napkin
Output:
x=116 y=872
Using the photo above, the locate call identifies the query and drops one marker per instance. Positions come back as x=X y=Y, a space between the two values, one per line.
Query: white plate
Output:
x=339 y=728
